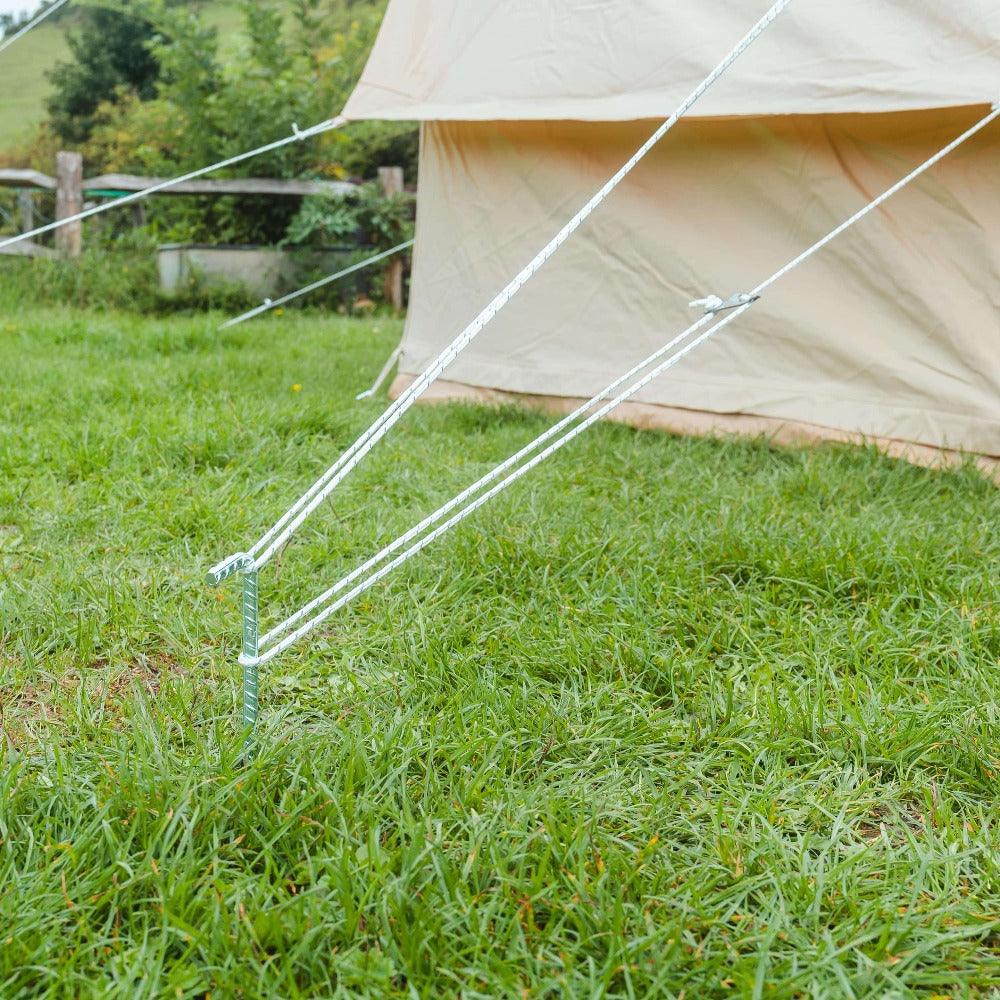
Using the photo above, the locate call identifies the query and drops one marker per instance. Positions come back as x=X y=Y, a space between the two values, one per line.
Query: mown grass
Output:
x=673 y=717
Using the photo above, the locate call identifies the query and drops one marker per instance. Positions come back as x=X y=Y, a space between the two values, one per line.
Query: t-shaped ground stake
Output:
x=244 y=564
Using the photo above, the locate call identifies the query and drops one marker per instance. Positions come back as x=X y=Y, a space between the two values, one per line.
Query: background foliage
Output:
x=148 y=90
x=205 y=110
x=368 y=216
x=110 y=54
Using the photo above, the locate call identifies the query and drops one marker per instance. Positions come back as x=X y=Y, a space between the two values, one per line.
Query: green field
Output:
x=24 y=85
x=672 y=717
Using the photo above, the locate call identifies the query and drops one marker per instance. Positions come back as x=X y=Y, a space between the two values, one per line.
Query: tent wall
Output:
x=892 y=332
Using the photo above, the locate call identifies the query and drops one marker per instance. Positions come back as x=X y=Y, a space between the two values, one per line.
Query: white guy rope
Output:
x=662 y=367
x=297 y=136
x=286 y=526
x=7 y=42
x=274 y=303
x=432 y=519
x=884 y=196
x=471 y=508
x=383 y=374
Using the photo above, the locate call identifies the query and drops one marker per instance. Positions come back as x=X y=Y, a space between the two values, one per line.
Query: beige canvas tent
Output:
x=528 y=106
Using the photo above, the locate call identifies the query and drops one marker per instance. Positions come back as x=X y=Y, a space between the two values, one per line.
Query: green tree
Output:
x=109 y=54
x=290 y=70
x=295 y=66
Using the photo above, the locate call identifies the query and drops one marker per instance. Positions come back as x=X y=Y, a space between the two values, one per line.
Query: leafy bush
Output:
x=124 y=276
x=206 y=111
x=368 y=215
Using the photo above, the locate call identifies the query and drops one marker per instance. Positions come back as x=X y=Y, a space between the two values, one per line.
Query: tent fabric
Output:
x=551 y=60
x=891 y=332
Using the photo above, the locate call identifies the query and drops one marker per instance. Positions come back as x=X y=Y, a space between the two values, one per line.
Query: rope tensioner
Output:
x=713 y=304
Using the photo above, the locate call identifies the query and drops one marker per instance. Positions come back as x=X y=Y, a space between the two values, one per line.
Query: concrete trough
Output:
x=261 y=271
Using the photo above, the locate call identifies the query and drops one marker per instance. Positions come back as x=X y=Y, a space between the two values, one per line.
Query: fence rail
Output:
x=71 y=188
x=131 y=182
x=26 y=179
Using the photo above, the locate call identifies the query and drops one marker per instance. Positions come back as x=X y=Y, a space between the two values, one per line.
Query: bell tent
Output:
x=892 y=335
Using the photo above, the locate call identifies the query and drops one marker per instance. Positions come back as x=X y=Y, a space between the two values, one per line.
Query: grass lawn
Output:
x=671 y=717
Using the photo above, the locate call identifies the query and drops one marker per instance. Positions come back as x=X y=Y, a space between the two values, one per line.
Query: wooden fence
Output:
x=71 y=190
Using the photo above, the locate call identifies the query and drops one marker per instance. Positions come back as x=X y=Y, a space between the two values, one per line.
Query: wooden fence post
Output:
x=391 y=180
x=26 y=209
x=69 y=201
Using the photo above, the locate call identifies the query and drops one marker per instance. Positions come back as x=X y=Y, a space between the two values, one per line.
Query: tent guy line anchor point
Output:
x=717 y=313
x=286 y=526
x=252 y=662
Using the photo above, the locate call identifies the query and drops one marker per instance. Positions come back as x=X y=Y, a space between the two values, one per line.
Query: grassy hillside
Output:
x=671 y=718
x=23 y=83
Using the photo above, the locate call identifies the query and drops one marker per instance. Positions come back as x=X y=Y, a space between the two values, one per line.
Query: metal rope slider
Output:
x=713 y=304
